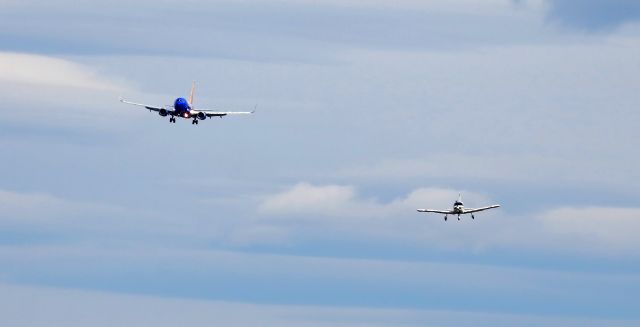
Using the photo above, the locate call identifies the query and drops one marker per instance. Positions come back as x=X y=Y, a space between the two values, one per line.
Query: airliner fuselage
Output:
x=183 y=108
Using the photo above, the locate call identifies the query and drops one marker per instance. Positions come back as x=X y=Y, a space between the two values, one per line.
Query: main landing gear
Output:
x=194 y=122
x=172 y=119
x=445 y=217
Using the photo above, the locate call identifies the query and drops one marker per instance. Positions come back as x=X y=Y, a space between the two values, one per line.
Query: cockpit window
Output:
x=457 y=204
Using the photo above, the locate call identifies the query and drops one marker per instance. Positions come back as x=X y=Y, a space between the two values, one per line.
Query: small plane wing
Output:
x=481 y=209
x=214 y=113
x=150 y=107
x=444 y=212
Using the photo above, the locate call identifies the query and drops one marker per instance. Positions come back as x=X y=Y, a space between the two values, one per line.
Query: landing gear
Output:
x=472 y=217
x=445 y=218
x=194 y=122
x=172 y=119
x=458 y=217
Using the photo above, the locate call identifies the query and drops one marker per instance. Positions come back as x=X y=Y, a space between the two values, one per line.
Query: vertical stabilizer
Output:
x=193 y=93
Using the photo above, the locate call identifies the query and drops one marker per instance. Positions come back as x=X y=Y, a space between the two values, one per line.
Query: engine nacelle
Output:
x=202 y=116
x=163 y=112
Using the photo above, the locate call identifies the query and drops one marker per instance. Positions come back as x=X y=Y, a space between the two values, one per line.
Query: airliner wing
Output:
x=481 y=209
x=444 y=212
x=150 y=107
x=214 y=113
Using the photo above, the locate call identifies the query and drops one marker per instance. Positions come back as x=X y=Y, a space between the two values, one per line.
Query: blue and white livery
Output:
x=183 y=108
x=459 y=209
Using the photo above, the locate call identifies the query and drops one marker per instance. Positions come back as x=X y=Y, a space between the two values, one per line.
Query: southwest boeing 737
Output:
x=183 y=108
x=459 y=209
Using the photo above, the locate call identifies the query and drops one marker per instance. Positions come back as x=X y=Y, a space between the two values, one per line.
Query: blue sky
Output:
x=304 y=214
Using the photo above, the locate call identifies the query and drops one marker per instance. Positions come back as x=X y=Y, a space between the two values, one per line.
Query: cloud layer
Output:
x=562 y=229
x=36 y=70
x=367 y=111
x=30 y=306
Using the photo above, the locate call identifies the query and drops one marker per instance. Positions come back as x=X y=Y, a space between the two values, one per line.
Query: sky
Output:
x=304 y=214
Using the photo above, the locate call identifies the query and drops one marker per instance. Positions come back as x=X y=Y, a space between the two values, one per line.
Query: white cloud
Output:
x=307 y=200
x=596 y=229
x=340 y=209
x=293 y=216
x=54 y=91
x=586 y=232
x=314 y=200
x=41 y=70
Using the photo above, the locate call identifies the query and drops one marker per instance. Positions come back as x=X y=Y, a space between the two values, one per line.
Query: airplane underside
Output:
x=459 y=214
x=172 y=119
x=195 y=118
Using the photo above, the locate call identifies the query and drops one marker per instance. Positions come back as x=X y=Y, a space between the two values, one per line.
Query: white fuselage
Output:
x=458 y=208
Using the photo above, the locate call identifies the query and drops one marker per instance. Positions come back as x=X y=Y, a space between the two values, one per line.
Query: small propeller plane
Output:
x=459 y=209
x=183 y=108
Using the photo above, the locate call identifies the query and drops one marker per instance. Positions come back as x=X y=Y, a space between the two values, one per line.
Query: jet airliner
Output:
x=459 y=209
x=183 y=108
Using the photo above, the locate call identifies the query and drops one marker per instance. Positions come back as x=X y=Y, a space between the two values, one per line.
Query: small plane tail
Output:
x=459 y=197
x=192 y=93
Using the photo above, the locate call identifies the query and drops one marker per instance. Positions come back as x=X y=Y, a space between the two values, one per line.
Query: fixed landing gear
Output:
x=472 y=217
x=445 y=218
x=458 y=217
x=194 y=122
x=172 y=119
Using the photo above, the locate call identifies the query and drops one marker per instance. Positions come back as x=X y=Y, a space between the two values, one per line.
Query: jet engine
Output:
x=162 y=112
x=202 y=116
